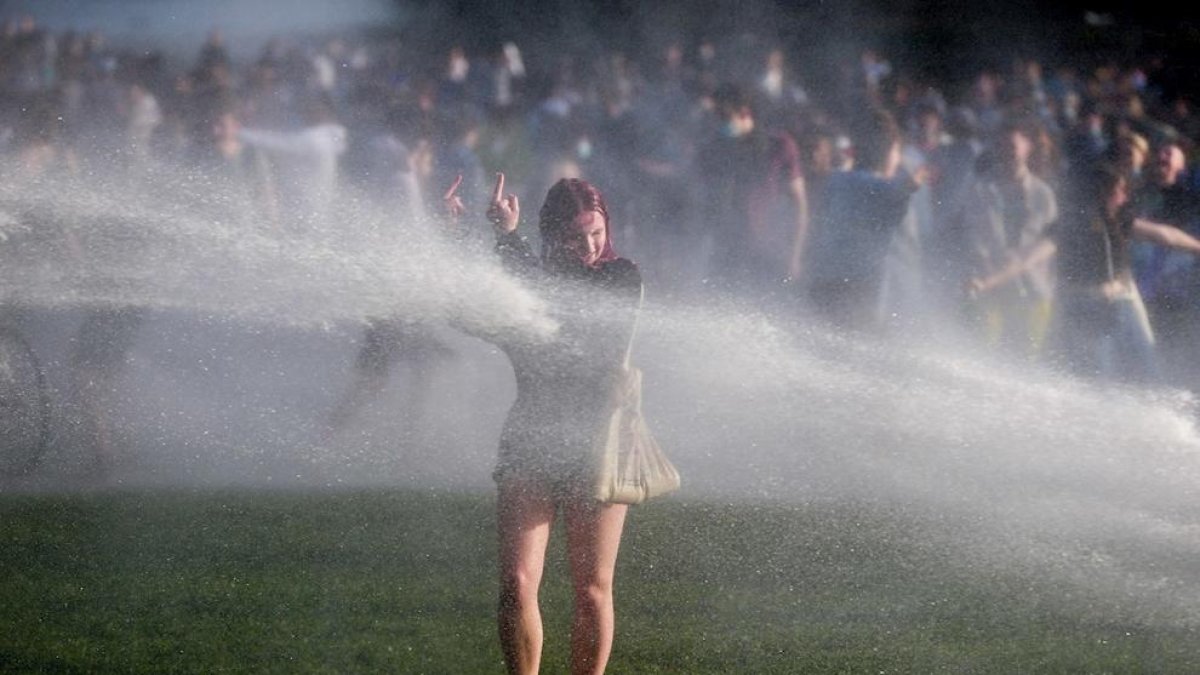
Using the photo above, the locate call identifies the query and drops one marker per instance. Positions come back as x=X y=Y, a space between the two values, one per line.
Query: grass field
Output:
x=403 y=581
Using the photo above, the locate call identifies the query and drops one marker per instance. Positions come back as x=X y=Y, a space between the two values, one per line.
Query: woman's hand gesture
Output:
x=452 y=202
x=504 y=211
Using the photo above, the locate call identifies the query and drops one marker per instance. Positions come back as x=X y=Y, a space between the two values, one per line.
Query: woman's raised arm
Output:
x=504 y=211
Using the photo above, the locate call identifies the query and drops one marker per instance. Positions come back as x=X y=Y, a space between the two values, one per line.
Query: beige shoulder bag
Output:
x=629 y=466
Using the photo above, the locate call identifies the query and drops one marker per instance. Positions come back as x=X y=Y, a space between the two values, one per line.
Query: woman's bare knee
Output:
x=519 y=584
x=594 y=596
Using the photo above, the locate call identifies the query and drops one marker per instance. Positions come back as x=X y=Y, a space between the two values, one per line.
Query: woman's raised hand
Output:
x=453 y=204
x=504 y=211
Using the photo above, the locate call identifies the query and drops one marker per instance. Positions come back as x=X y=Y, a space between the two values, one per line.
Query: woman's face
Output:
x=1118 y=196
x=585 y=238
x=821 y=159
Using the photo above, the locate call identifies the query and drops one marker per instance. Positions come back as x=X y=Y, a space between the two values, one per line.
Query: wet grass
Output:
x=401 y=581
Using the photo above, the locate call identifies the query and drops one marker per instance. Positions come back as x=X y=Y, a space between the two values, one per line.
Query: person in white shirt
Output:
x=305 y=164
x=144 y=118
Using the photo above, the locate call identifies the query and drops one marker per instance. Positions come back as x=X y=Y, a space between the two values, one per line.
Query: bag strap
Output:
x=636 y=315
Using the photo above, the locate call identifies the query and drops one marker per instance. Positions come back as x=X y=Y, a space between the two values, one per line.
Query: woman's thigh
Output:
x=593 y=538
x=524 y=515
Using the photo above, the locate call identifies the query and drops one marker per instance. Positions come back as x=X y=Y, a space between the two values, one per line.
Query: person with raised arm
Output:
x=563 y=390
x=1104 y=329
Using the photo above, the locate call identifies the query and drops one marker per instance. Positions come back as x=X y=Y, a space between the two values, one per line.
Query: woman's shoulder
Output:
x=621 y=273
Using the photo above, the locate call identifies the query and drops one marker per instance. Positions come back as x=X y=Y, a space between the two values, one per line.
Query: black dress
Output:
x=563 y=384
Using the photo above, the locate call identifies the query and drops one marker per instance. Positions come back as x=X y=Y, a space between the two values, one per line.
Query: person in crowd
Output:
x=903 y=300
x=951 y=177
x=1046 y=158
x=562 y=391
x=396 y=340
x=1028 y=91
x=1090 y=139
x=507 y=76
x=1165 y=197
x=458 y=155
x=386 y=343
x=36 y=142
x=754 y=200
x=142 y=120
x=306 y=164
x=679 y=154
x=1182 y=117
x=235 y=188
x=875 y=71
x=818 y=154
x=456 y=83
x=1166 y=277
x=213 y=54
x=392 y=165
x=778 y=90
x=555 y=130
x=863 y=209
x=1104 y=329
x=505 y=142
x=1133 y=152
x=984 y=101
x=1008 y=213
x=662 y=150
x=100 y=349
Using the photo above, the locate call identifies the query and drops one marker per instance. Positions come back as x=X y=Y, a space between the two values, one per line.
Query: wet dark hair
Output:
x=729 y=96
x=1025 y=125
x=812 y=137
x=567 y=199
x=1099 y=180
x=962 y=124
x=873 y=135
x=1091 y=187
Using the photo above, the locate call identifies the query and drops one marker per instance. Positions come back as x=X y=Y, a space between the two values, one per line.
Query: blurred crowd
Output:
x=1048 y=208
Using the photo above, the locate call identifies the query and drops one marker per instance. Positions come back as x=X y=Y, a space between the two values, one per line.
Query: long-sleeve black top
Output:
x=563 y=384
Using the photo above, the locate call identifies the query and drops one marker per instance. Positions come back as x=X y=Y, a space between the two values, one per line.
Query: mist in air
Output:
x=227 y=330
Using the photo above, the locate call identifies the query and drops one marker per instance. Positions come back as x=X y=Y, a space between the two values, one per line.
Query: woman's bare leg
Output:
x=524 y=514
x=593 y=536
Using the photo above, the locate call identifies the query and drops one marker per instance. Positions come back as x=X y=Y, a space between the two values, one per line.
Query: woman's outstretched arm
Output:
x=1166 y=235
